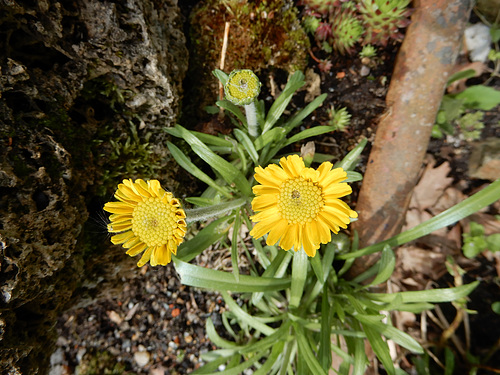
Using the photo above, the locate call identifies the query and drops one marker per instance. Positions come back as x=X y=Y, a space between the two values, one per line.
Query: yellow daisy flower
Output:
x=148 y=219
x=300 y=206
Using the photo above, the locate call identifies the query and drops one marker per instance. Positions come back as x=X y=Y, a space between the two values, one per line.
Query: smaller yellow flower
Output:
x=147 y=219
x=242 y=87
x=299 y=206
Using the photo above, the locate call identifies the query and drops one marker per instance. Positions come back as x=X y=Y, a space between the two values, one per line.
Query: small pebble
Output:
x=141 y=358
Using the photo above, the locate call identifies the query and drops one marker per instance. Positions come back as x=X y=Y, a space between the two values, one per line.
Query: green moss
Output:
x=101 y=363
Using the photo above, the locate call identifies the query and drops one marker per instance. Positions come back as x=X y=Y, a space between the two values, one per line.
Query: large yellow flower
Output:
x=299 y=206
x=147 y=219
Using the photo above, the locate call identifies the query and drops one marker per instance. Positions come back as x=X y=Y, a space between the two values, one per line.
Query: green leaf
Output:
x=429 y=296
x=246 y=317
x=312 y=132
x=390 y=332
x=464 y=74
x=353 y=176
x=351 y=159
x=451 y=108
x=206 y=278
x=265 y=343
x=385 y=266
x=325 y=342
x=317 y=266
x=234 y=246
x=198 y=201
x=495 y=33
x=360 y=359
x=186 y=163
x=474 y=246
x=216 y=339
x=449 y=361
x=214 y=363
x=299 y=274
x=295 y=82
x=380 y=347
x=246 y=142
x=495 y=306
x=205 y=138
x=300 y=116
x=481 y=199
x=272 y=136
x=306 y=352
x=207 y=236
x=271 y=360
x=228 y=172
x=234 y=109
x=480 y=97
x=221 y=76
x=493 y=242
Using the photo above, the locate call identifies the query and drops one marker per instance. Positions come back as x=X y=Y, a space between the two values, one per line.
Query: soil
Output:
x=157 y=326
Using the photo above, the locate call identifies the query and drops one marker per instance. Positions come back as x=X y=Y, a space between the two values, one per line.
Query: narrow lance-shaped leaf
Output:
x=246 y=317
x=206 y=278
x=294 y=83
x=299 y=117
x=186 y=163
x=234 y=109
x=481 y=199
x=228 y=172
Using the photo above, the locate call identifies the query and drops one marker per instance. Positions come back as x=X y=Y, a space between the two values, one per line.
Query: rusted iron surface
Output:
x=423 y=66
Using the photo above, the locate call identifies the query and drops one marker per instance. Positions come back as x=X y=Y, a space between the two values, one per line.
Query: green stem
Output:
x=484 y=198
x=251 y=113
x=205 y=213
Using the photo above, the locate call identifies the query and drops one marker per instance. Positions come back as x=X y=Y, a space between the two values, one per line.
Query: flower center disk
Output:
x=153 y=221
x=300 y=200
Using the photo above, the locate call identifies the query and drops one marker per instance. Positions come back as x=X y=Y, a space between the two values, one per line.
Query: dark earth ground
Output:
x=157 y=326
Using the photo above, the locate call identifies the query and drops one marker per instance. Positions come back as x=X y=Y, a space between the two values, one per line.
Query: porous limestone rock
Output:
x=85 y=88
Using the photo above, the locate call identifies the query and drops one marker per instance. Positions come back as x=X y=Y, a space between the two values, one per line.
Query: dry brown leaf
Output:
x=431 y=186
x=420 y=261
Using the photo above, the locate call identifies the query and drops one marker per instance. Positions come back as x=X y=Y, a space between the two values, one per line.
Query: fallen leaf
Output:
x=431 y=186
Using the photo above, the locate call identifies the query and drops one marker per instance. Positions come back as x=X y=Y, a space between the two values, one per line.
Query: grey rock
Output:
x=78 y=80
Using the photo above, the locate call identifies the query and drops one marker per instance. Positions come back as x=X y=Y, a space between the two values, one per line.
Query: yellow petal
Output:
x=137 y=249
x=122 y=237
x=337 y=190
x=160 y=255
x=277 y=231
x=270 y=214
x=266 y=190
x=142 y=188
x=335 y=176
x=145 y=257
x=263 y=202
x=289 y=237
x=322 y=230
x=308 y=241
x=119 y=208
x=272 y=175
x=155 y=188
x=127 y=194
x=292 y=165
x=324 y=169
